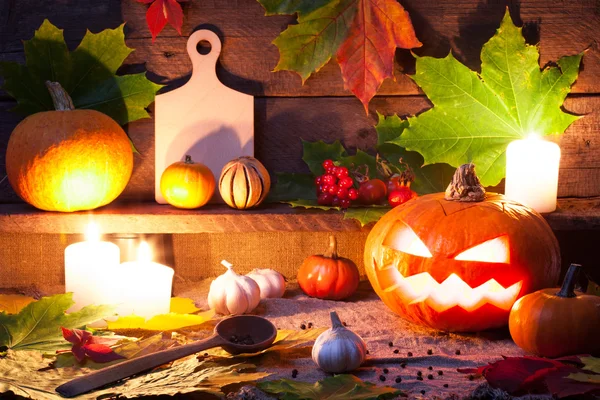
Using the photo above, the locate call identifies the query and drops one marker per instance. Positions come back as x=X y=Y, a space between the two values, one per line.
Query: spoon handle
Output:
x=128 y=368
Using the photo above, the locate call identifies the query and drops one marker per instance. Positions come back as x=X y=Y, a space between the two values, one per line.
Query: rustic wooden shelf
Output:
x=573 y=214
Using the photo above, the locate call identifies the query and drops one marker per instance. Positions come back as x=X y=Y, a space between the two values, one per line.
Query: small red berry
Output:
x=328 y=164
x=346 y=182
x=319 y=189
x=342 y=172
x=329 y=179
x=333 y=189
x=345 y=203
x=330 y=170
x=318 y=180
x=352 y=194
x=337 y=202
x=325 y=199
x=342 y=193
x=400 y=196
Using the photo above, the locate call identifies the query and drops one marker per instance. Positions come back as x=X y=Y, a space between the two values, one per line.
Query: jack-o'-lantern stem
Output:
x=60 y=98
x=332 y=251
x=465 y=185
x=568 y=286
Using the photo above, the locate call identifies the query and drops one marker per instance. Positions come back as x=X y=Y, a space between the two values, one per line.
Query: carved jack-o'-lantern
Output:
x=460 y=265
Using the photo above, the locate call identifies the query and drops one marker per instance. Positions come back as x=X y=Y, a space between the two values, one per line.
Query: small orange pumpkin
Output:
x=557 y=322
x=328 y=276
x=186 y=184
x=68 y=160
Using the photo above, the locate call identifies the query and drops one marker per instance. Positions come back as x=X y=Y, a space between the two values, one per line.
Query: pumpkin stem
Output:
x=60 y=98
x=568 y=286
x=188 y=159
x=465 y=185
x=332 y=250
x=335 y=320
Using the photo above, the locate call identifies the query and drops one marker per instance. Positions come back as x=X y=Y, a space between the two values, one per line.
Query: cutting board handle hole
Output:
x=204 y=47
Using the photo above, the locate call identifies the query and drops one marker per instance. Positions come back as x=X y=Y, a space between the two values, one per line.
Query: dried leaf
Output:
x=13 y=303
x=164 y=322
x=338 y=387
x=591 y=364
x=21 y=372
x=38 y=325
x=85 y=345
x=180 y=305
x=362 y=35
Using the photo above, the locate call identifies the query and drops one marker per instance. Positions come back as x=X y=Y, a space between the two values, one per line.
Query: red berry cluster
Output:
x=335 y=188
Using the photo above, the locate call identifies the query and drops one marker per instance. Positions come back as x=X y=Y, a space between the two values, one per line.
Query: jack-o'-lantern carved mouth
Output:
x=453 y=291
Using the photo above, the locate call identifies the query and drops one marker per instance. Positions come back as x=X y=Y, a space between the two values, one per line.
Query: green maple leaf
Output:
x=308 y=204
x=314 y=153
x=431 y=178
x=87 y=74
x=339 y=387
x=292 y=186
x=366 y=215
x=475 y=116
x=38 y=325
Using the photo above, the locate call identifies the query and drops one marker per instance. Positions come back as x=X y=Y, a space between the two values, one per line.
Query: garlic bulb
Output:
x=338 y=349
x=233 y=294
x=270 y=282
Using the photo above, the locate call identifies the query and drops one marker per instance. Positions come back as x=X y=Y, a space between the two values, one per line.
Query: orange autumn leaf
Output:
x=361 y=34
x=13 y=303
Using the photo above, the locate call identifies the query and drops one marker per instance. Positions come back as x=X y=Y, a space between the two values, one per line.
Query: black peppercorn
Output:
x=385 y=370
x=398 y=380
x=445 y=385
x=409 y=354
x=471 y=377
x=419 y=373
x=390 y=344
x=457 y=352
x=205 y=354
x=294 y=373
x=430 y=368
x=310 y=325
x=430 y=376
x=396 y=351
x=367 y=351
x=422 y=392
x=440 y=373
x=429 y=352
x=403 y=365
x=303 y=327
x=344 y=323
x=382 y=378
x=419 y=378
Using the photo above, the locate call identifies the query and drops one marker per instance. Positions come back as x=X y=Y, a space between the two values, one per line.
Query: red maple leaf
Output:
x=366 y=57
x=160 y=12
x=522 y=375
x=95 y=348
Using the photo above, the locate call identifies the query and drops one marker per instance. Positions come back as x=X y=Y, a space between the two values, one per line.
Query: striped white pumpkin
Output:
x=244 y=183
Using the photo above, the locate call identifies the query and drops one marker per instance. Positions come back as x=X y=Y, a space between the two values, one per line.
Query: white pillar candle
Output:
x=90 y=269
x=147 y=289
x=532 y=173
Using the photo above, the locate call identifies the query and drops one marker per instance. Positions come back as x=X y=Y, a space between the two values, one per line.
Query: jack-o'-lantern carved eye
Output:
x=493 y=251
x=402 y=238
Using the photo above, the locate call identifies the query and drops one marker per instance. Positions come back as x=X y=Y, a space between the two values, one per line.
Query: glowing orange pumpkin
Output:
x=68 y=160
x=460 y=266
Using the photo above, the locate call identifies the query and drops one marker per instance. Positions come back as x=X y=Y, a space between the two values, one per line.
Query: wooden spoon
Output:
x=261 y=330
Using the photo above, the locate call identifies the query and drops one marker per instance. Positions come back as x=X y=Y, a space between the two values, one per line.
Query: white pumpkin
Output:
x=270 y=282
x=233 y=294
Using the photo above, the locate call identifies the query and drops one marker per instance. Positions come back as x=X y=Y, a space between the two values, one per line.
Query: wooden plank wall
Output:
x=287 y=111
x=321 y=109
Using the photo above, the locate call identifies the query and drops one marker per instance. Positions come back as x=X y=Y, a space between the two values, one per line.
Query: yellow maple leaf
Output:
x=164 y=322
x=181 y=305
x=13 y=303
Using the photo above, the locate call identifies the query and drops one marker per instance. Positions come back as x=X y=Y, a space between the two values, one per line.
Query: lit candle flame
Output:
x=534 y=136
x=92 y=232
x=144 y=253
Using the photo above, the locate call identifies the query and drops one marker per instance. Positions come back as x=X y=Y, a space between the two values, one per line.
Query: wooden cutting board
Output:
x=204 y=118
